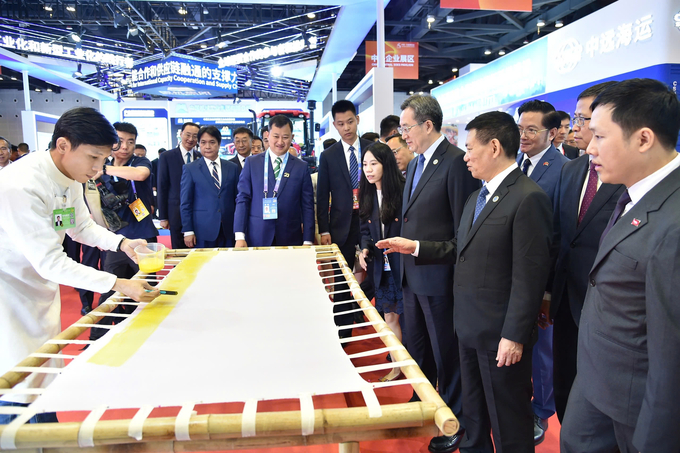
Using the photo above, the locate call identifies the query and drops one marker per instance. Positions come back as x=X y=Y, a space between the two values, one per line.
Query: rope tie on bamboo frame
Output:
x=136 y=426
x=249 y=418
x=182 y=422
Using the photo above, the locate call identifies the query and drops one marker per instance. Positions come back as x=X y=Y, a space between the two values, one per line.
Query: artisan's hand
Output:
x=136 y=289
x=326 y=239
x=362 y=259
x=165 y=224
x=398 y=245
x=190 y=241
x=509 y=352
x=241 y=244
x=128 y=246
x=544 y=320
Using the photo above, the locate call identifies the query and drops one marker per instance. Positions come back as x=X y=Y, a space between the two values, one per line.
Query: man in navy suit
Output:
x=208 y=195
x=570 y=152
x=170 y=165
x=583 y=205
x=538 y=124
x=243 y=142
x=275 y=202
x=339 y=173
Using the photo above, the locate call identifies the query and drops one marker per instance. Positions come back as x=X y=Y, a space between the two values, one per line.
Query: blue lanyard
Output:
x=266 y=173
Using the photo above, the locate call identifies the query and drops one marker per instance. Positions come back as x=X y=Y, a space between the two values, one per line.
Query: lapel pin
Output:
x=495 y=199
x=545 y=164
x=635 y=222
x=286 y=175
x=396 y=220
x=436 y=161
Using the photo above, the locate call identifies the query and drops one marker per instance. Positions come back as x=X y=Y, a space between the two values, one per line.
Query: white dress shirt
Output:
x=209 y=164
x=33 y=262
x=184 y=152
x=356 y=146
x=534 y=161
x=640 y=188
x=494 y=183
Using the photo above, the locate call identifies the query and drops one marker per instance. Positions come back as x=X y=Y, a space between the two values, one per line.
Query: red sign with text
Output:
x=497 y=5
x=402 y=56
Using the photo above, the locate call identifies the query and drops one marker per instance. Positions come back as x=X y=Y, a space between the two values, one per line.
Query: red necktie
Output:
x=591 y=190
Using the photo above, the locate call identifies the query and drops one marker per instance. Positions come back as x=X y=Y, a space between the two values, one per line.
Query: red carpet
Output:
x=71 y=313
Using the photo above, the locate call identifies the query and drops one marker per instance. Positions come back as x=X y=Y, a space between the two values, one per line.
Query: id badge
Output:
x=355 y=199
x=64 y=219
x=270 y=210
x=386 y=265
x=138 y=209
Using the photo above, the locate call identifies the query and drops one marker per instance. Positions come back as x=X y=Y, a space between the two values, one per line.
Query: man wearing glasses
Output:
x=402 y=154
x=542 y=162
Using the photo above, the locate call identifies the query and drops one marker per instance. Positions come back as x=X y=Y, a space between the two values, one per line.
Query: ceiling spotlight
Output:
x=276 y=71
x=13 y=78
x=430 y=82
x=559 y=24
x=182 y=10
x=99 y=44
x=311 y=15
x=204 y=46
x=421 y=92
x=430 y=18
x=221 y=44
x=540 y=23
x=205 y=11
x=49 y=89
x=441 y=83
x=132 y=30
x=312 y=42
x=74 y=37
x=410 y=92
x=487 y=52
x=501 y=52
x=454 y=69
x=449 y=19
x=526 y=41
x=38 y=90
x=71 y=8
x=79 y=71
x=248 y=83
x=47 y=7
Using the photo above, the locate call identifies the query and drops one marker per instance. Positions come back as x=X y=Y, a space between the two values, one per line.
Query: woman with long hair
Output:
x=380 y=195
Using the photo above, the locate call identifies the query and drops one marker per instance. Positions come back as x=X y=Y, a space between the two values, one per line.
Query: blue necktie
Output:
x=353 y=168
x=481 y=202
x=418 y=173
x=189 y=157
x=525 y=167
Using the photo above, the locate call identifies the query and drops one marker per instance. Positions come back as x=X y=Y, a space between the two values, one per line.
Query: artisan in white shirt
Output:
x=32 y=259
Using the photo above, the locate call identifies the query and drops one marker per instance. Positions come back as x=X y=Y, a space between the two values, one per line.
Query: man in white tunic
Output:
x=33 y=264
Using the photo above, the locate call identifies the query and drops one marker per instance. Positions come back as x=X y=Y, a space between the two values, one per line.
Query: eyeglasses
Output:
x=191 y=136
x=580 y=120
x=530 y=133
x=397 y=149
x=406 y=129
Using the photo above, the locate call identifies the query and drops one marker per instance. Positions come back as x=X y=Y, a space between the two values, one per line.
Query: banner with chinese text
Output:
x=402 y=56
x=497 y=5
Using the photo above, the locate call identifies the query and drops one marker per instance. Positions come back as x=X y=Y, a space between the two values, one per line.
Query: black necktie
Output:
x=624 y=199
x=525 y=167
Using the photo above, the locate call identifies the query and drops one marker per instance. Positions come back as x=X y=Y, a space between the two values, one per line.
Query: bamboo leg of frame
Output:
x=349 y=447
x=443 y=417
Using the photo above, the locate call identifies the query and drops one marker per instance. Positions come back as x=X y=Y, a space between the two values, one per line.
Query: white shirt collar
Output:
x=537 y=158
x=53 y=172
x=345 y=146
x=640 y=188
x=430 y=151
x=185 y=151
x=496 y=181
x=273 y=156
x=209 y=162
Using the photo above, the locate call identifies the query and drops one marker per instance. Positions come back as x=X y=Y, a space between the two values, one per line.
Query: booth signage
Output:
x=262 y=54
x=676 y=20
x=402 y=56
x=497 y=5
x=62 y=51
x=178 y=77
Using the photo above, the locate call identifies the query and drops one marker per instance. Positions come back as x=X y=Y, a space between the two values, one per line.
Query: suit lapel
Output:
x=574 y=186
x=410 y=171
x=180 y=157
x=544 y=163
x=604 y=193
x=223 y=170
x=287 y=170
x=432 y=166
x=205 y=172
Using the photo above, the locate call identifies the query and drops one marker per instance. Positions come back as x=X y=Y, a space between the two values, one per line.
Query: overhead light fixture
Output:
x=99 y=44
x=410 y=92
x=132 y=30
x=276 y=71
x=526 y=41
x=204 y=46
x=441 y=83
x=487 y=52
x=49 y=89
x=13 y=78
x=182 y=10
x=559 y=24
x=421 y=92
x=205 y=10
x=248 y=83
x=501 y=52
x=540 y=23
x=71 y=8
x=430 y=18
x=79 y=71
x=312 y=42
x=311 y=16
x=74 y=37
x=38 y=90
x=430 y=82
x=221 y=44
x=47 y=7
x=449 y=19
x=454 y=69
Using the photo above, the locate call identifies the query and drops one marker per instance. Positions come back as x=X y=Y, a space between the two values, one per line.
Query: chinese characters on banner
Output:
x=498 y=5
x=624 y=35
x=402 y=56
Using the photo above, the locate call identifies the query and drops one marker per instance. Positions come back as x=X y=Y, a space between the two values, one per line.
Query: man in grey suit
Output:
x=502 y=256
x=625 y=395
x=437 y=186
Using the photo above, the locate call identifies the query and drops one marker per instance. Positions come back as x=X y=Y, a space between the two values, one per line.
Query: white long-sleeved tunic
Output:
x=33 y=262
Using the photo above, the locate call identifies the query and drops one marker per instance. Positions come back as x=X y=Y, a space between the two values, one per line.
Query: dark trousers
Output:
x=47 y=417
x=586 y=429
x=177 y=237
x=220 y=241
x=348 y=250
x=91 y=257
x=433 y=344
x=120 y=265
x=565 y=345
x=542 y=374
x=496 y=400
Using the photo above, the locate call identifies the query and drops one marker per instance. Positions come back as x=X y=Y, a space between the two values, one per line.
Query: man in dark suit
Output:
x=282 y=213
x=437 y=186
x=538 y=124
x=170 y=165
x=625 y=394
x=243 y=142
x=570 y=152
x=337 y=198
x=208 y=195
x=502 y=256
x=583 y=206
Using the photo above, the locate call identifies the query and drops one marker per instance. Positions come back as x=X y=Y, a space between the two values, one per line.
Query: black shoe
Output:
x=446 y=444
x=540 y=427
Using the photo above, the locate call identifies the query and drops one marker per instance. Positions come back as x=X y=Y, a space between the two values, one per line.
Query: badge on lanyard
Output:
x=64 y=219
x=270 y=210
x=138 y=209
x=355 y=198
x=386 y=265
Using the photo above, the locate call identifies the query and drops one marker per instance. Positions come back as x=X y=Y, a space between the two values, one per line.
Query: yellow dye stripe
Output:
x=126 y=343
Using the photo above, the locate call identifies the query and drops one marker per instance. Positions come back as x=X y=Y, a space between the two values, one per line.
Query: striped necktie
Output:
x=353 y=168
x=277 y=167
x=215 y=175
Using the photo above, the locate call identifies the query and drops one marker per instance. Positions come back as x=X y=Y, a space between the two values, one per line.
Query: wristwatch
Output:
x=119 y=245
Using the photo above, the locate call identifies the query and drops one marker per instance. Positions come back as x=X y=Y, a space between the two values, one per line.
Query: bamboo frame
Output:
x=346 y=426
